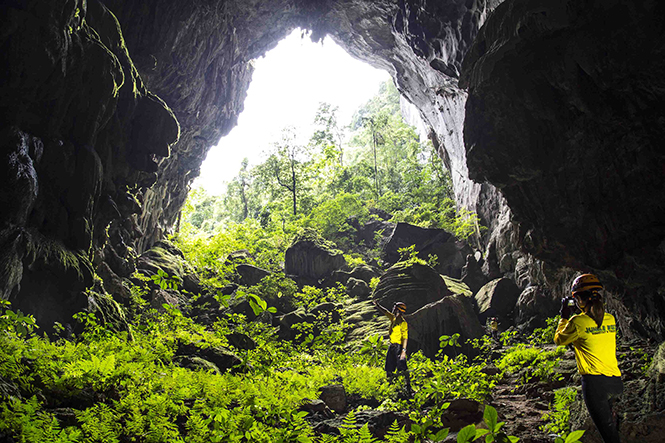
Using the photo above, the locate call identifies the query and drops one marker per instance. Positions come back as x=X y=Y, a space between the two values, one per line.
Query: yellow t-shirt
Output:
x=595 y=348
x=398 y=332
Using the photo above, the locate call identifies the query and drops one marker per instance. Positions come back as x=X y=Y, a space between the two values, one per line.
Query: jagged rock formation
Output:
x=564 y=117
x=105 y=123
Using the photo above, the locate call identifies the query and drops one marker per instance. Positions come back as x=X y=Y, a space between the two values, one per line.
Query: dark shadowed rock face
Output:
x=564 y=115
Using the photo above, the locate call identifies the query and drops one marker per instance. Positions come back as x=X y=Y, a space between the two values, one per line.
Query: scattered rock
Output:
x=533 y=307
x=160 y=297
x=316 y=407
x=461 y=413
x=364 y=273
x=334 y=397
x=241 y=341
x=195 y=363
x=331 y=310
x=222 y=358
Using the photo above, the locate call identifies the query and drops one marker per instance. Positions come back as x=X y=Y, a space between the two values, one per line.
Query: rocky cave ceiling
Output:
x=548 y=118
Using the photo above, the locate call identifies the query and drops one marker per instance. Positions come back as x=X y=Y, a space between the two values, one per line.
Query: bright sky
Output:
x=287 y=86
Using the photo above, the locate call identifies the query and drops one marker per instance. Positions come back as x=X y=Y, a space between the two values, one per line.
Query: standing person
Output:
x=399 y=337
x=494 y=327
x=593 y=335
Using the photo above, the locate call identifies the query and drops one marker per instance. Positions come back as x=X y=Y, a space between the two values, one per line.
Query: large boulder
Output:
x=472 y=274
x=357 y=288
x=334 y=396
x=167 y=257
x=220 y=357
x=364 y=273
x=288 y=321
x=450 y=315
x=412 y=283
x=160 y=297
x=451 y=252
x=497 y=299
x=534 y=305
x=311 y=258
x=372 y=231
x=250 y=275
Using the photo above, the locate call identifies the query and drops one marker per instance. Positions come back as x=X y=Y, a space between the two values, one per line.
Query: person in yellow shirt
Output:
x=593 y=336
x=399 y=338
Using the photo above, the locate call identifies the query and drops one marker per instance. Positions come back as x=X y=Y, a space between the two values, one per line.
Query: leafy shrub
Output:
x=532 y=362
x=16 y=322
x=448 y=378
x=493 y=432
x=545 y=335
x=374 y=347
x=557 y=420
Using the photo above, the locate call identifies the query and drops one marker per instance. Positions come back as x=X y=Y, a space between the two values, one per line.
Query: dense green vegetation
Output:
x=106 y=386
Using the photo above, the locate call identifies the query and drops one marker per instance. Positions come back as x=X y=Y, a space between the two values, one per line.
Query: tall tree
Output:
x=328 y=135
x=239 y=200
x=287 y=166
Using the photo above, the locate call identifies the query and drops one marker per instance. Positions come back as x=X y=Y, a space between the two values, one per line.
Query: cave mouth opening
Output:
x=288 y=85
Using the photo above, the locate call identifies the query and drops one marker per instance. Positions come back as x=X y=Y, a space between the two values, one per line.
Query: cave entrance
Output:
x=288 y=85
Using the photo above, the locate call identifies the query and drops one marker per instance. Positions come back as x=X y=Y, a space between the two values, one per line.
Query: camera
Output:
x=569 y=301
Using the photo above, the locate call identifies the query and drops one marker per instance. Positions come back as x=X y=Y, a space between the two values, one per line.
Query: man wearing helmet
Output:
x=593 y=336
x=399 y=336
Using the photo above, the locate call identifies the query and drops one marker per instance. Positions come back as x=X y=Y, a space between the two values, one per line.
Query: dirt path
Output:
x=522 y=406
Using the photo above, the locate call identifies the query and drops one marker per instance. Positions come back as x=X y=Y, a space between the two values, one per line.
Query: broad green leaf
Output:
x=574 y=436
x=466 y=434
x=480 y=433
x=491 y=417
x=441 y=435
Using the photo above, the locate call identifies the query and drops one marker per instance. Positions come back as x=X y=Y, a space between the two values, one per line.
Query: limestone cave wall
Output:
x=109 y=107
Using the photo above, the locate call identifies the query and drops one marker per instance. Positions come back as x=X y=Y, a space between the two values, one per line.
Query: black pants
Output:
x=598 y=390
x=392 y=359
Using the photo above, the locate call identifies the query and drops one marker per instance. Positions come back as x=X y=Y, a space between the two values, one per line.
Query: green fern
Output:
x=396 y=434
